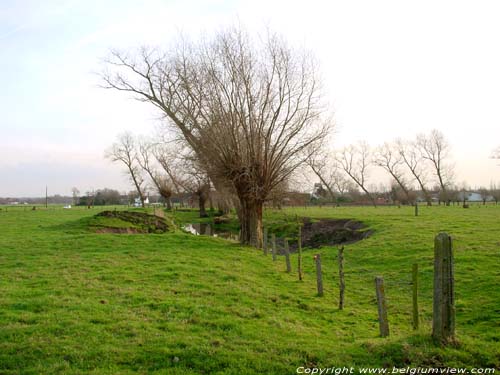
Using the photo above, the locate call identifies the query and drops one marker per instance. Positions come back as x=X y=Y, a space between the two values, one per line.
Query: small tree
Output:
x=319 y=163
x=355 y=160
x=124 y=151
x=388 y=158
x=412 y=158
x=495 y=192
x=146 y=159
x=484 y=193
x=436 y=149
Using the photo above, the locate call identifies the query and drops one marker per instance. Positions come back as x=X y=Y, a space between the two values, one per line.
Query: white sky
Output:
x=391 y=68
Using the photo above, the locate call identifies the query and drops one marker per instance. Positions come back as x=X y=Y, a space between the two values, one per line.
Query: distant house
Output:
x=137 y=202
x=473 y=196
x=318 y=191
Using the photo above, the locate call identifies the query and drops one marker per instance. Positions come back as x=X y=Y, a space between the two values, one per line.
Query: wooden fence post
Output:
x=319 y=275
x=382 y=307
x=287 y=257
x=299 y=259
x=264 y=244
x=415 y=295
x=274 y=250
x=416 y=208
x=341 y=277
x=443 y=322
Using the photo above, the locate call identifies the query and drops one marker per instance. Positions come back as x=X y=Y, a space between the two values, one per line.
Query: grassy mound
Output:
x=128 y=222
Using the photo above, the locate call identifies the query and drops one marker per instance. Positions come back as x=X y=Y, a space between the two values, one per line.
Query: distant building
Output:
x=318 y=191
x=473 y=196
x=137 y=202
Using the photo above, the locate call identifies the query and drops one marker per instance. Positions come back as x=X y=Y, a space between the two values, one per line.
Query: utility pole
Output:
x=46 y=197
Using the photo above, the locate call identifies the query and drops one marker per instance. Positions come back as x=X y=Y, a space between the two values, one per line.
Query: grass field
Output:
x=77 y=302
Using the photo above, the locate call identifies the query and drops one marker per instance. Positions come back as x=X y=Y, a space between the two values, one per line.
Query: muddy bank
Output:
x=330 y=232
x=140 y=222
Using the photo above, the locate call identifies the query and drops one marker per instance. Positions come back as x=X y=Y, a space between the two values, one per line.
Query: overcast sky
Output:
x=391 y=69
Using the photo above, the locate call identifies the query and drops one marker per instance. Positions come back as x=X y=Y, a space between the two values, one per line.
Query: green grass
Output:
x=76 y=302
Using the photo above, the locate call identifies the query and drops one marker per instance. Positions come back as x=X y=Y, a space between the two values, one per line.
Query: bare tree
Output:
x=413 y=160
x=340 y=183
x=319 y=163
x=484 y=193
x=124 y=151
x=146 y=159
x=327 y=169
x=355 y=160
x=195 y=180
x=435 y=149
x=495 y=192
x=167 y=156
x=388 y=158
x=249 y=111
x=184 y=172
x=90 y=198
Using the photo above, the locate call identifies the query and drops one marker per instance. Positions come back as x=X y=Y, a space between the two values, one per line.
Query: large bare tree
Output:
x=249 y=110
x=355 y=161
x=435 y=148
x=124 y=151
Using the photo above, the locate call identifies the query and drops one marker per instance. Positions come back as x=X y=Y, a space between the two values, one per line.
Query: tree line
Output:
x=418 y=169
x=411 y=165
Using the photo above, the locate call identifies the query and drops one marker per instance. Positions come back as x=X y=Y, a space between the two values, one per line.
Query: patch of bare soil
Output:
x=328 y=232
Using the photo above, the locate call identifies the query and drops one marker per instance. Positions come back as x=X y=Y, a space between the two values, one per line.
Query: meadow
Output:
x=73 y=301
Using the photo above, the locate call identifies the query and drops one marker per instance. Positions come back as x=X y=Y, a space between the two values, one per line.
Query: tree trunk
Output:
x=427 y=196
x=211 y=202
x=202 y=199
x=169 y=203
x=250 y=215
x=137 y=186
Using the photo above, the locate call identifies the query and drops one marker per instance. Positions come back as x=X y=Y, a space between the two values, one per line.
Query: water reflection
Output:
x=208 y=229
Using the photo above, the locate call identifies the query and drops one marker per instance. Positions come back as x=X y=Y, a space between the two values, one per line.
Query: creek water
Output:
x=208 y=229
x=322 y=232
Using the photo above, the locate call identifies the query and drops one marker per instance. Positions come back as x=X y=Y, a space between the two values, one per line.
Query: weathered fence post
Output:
x=264 y=244
x=382 y=307
x=274 y=246
x=319 y=275
x=341 y=277
x=287 y=257
x=443 y=322
x=415 y=295
x=416 y=208
x=299 y=256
